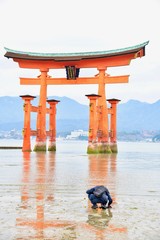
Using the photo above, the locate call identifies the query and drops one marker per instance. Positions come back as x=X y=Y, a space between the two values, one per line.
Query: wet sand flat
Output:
x=43 y=195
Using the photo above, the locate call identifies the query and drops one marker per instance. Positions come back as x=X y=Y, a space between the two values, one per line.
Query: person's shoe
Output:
x=103 y=206
x=94 y=206
x=109 y=206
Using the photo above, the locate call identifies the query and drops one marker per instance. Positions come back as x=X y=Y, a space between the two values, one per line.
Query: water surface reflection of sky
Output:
x=43 y=195
x=53 y=200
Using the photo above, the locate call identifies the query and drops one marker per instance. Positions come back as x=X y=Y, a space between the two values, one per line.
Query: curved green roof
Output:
x=10 y=53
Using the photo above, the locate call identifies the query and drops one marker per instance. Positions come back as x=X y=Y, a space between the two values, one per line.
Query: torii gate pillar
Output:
x=27 y=116
x=113 y=124
x=103 y=131
x=41 y=116
x=93 y=124
x=52 y=124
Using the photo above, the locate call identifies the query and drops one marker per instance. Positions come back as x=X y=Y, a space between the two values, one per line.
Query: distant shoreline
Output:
x=10 y=147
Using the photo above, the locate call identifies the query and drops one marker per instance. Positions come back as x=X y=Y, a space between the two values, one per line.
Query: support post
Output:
x=103 y=131
x=113 y=125
x=52 y=124
x=93 y=124
x=27 y=129
x=41 y=115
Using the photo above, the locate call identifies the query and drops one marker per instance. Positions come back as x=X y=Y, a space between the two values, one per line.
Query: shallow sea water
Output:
x=43 y=195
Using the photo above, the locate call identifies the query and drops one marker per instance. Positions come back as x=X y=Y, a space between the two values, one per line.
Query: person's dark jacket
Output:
x=103 y=191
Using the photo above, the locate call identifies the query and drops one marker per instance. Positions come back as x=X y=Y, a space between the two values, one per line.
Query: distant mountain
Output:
x=70 y=114
x=70 y=109
x=131 y=116
x=11 y=109
x=136 y=115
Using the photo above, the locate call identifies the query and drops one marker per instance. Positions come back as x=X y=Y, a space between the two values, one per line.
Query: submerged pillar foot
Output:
x=98 y=148
x=40 y=146
x=113 y=147
x=52 y=147
x=92 y=148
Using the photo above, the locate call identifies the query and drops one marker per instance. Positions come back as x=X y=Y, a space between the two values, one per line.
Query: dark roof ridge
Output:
x=76 y=54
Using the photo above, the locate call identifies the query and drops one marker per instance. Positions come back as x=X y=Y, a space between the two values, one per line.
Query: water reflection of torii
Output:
x=102 y=170
x=44 y=193
x=40 y=186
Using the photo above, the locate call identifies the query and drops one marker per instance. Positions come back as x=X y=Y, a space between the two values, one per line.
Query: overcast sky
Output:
x=82 y=25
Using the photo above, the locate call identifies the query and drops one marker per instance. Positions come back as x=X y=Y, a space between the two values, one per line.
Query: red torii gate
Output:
x=101 y=138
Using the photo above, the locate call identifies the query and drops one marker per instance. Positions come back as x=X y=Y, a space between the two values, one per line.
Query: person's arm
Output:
x=90 y=191
x=107 y=191
x=109 y=196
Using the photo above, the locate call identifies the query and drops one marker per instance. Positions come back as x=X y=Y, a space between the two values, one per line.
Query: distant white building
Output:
x=76 y=134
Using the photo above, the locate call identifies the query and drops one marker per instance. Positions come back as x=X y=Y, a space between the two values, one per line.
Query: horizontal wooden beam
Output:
x=105 y=62
x=110 y=111
x=34 y=109
x=34 y=133
x=64 y=81
x=117 y=79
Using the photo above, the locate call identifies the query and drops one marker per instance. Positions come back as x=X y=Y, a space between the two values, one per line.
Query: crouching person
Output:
x=99 y=194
